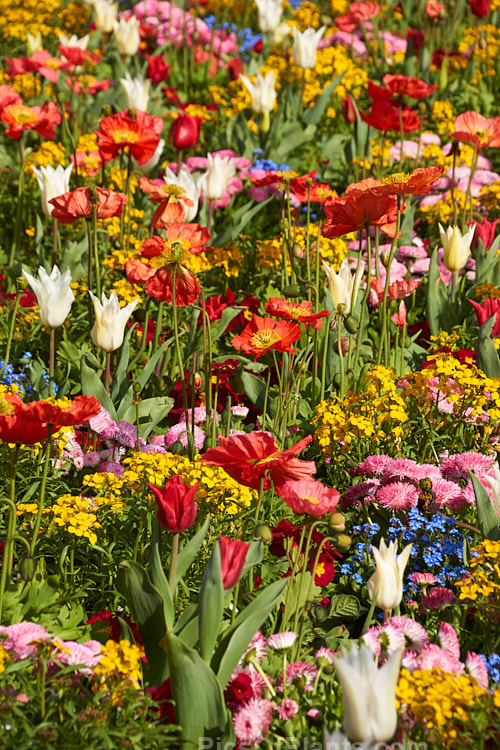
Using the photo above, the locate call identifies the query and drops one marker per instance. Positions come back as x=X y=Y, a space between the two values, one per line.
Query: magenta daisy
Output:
x=397 y=496
x=438 y=598
x=401 y=468
x=364 y=491
x=282 y=642
x=390 y=637
x=422 y=579
x=256 y=649
x=455 y=467
x=179 y=432
x=300 y=672
x=447 y=493
x=324 y=657
x=288 y=709
x=416 y=637
x=21 y=638
x=448 y=640
x=253 y=720
x=373 y=465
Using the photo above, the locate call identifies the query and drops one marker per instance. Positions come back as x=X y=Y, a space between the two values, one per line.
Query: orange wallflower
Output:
x=477 y=131
x=79 y=204
x=262 y=335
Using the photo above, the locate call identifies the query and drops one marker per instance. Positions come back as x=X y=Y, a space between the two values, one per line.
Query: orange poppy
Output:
x=133 y=134
x=419 y=182
x=298 y=311
x=414 y=88
x=477 y=131
x=79 y=204
x=358 y=210
x=262 y=335
x=19 y=117
x=171 y=199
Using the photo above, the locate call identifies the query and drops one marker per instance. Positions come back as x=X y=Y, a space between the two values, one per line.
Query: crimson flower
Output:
x=157 y=70
x=185 y=132
x=384 y=116
x=309 y=496
x=41 y=61
x=298 y=311
x=477 y=131
x=19 y=117
x=33 y=422
x=414 y=88
x=9 y=96
x=176 y=506
x=172 y=199
x=120 y=132
x=262 y=335
x=480 y=8
x=79 y=204
x=485 y=311
x=485 y=232
x=248 y=458
x=358 y=210
x=233 y=554
x=76 y=55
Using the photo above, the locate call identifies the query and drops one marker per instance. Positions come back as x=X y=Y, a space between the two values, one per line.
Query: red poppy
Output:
x=298 y=311
x=77 y=55
x=399 y=318
x=485 y=311
x=157 y=70
x=176 y=506
x=358 y=210
x=41 y=61
x=414 y=88
x=19 y=117
x=418 y=182
x=172 y=199
x=9 y=96
x=476 y=130
x=133 y=134
x=397 y=290
x=359 y=12
x=79 y=203
x=384 y=116
x=309 y=496
x=34 y=422
x=262 y=335
x=233 y=554
x=248 y=458
x=86 y=86
x=138 y=272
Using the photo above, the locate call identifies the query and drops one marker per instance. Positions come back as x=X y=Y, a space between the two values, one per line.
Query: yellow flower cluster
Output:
x=490 y=198
x=4 y=657
x=135 y=225
x=76 y=515
x=126 y=292
x=442 y=116
x=119 y=667
x=464 y=387
x=117 y=179
x=227 y=258
x=445 y=339
x=17 y=17
x=106 y=485
x=486 y=291
x=439 y=700
x=375 y=413
x=483 y=585
x=481 y=45
x=217 y=489
x=306 y=15
x=270 y=252
x=49 y=153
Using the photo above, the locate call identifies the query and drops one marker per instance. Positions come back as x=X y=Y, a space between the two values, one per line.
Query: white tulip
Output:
x=262 y=92
x=54 y=295
x=495 y=486
x=34 y=42
x=369 y=694
x=344 y=285
x=387 y=582
x=136 y=91
x=269 y=13
x=184 y=180
x=456 y=247
x=110 y=321
x=105 y=15
x=52 y=182
x=74 y=41
x=305 y=44
x=281 y=34
x=153 y=162
x=127 y=35
x=216 y=179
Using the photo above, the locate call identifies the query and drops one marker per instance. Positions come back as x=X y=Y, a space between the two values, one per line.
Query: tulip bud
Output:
x=185 y=132
x=336 y=522
x=456 y=247
x=349 y=110
x=386 y=584
x=263 y=533
x=110 y=320
x=54 y=295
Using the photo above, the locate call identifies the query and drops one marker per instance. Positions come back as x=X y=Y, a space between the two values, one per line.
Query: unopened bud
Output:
x=343 y=542
x=177 y=448
x=284 y=224
x=318 y=614
x=21 y=284
x=263 y=533
x=351 y=324
x=341 y=308
x=384 y=257
x=137 y=387
x=344 y=344
x=132 y=113
x=27 y=568
x=336 y=522
x=297 y=251
x=139 y=315
x=294 y=290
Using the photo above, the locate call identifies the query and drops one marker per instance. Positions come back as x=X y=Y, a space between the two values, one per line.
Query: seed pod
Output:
x=294 y=290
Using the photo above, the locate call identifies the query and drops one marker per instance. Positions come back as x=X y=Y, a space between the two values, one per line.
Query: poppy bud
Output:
x=294 y=290
x=343 y=542
x=297 y=251
x=185 y=132
x=336 y=522
x=27 y=568
x=263 y=533
x=351 y=324
x=384 y=257
x=139 y=315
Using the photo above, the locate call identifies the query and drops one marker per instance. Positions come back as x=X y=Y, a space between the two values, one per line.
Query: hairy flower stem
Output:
x=16 y=244
x=180 y=363
x=8 y=553
x=11 y=329
x=364 y=302
x=384 y=333
x=173 y=563
x=41 y=497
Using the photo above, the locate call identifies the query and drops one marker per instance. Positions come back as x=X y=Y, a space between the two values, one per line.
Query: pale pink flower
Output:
x=363 y=491
x=324 y=653
x=253 y=720
x=373 y=465
x=432 y=656
x=288 y=709
x=422 y=579
x=21 y=638
x=179 y=432
x=390 y=637
x=87 y=654
x=282 y=641
x=447 y=493
x=477 y=668
x=371 y=640
x=448 y=640
x=256 y=648
x=416 y=637
x=397 y=496
x=455 y=467
x=300 y=671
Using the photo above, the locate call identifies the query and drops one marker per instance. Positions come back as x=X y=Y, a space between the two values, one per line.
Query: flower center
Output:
x=294 y=311
x=6 y=407
x=173 y=190
x=125 y=136
x=175 y=251
x=23 y=115
x=312 y=500
x=395 y=178
x=265 y=339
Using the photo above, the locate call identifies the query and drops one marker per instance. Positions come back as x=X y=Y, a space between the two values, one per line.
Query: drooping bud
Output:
x=263 y=533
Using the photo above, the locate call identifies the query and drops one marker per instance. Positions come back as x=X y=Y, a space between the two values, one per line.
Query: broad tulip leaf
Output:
x=211 y=605
x=151 y=412
x=200 y=709
x=487 y=356
x=190 y=550
x=434 y=297
x=92 y=385
x=313 y=115
x=159 y=579
x=487 y=517
x=236 y=639
x=146 y=606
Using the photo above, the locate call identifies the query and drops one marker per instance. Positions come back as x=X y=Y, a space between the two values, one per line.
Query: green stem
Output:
x=52 y=359
x=16 y=244
x=341 y=356
x=90 y=266
x=158 y=327
x=11 y=329
x=173 y=562
x=107 y=382
x=8 y=553
x=180 y=362
x=96 y=253
x=385 y=317
x=364 y=304
x=43 y=486
x=323 y=358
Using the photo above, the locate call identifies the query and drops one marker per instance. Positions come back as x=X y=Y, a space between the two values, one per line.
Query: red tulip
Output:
x=236 y=67
x=233 y=554
x=480 y=8
x=176 y=507
x=485 y=311
x=484 y=232
x=349 y=110
x=185 y=132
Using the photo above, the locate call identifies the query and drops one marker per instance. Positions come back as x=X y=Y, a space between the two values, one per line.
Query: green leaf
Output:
x=186 y=627
x=200 y=709
x=146 y=607
x=487 y=356
x=292 y=135
x=240 y=219
x=236 y=639
x=190 y=550
x=314 y=114
x=151 y=412
x=434 y=296
x=159 y=578
x=297 y=596
x=487 y=517
x=92 y=385
x=254 y=555
x=345 y=606
x=211 y=605
x=120 y=376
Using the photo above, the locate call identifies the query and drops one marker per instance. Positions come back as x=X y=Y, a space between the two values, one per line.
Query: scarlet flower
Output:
x=418 y=182
x=378 y=93
x=77 y=55
x=233 y=554
x=247 y=458
x=19 y=117
x=157 y=70
x=485 y=311
x=171 y=199
x=414 y=88
x=480 y=8
x=348 y=110
x=415 y=39
x=384 y=116
x=79 y=204
x=298 y=311
x=121 y=131
x=236 y=67
x=397 y=290
x=176 y=506
x=476 y=130
x=309 y=496
x=358 y=210
x=9 y=96
x=485 y=232
x=138 y=272
x=433 y=8
x=33 y=422
x=359 y=12
x=262 y=335
x=399 y=318
x=41 y=61
x=185 y=132
x=86 y=86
